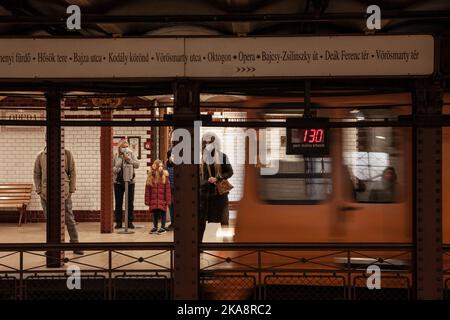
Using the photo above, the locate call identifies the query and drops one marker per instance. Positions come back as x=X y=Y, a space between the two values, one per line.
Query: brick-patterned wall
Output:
x=24 y=143
x=17 y=162
x=84 y=144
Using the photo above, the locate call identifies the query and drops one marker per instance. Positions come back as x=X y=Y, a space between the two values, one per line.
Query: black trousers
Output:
x=201 y=227
x=158 y=214
x=119 y=191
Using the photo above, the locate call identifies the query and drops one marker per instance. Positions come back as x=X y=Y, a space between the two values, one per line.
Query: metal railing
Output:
x=309 y=271
x=107 y=271
x=229 y=271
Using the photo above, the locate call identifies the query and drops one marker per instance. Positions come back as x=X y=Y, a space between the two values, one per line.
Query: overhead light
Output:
x=380 y=137
x=360 y=118
x=172 y=98
x=354 y=111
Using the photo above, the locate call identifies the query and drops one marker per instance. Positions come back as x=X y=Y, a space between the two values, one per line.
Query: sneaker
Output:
x=118 y=225
x=80 y=252
x=153 y=231
x=130 y=225
x=169 y=227
x=161 y=231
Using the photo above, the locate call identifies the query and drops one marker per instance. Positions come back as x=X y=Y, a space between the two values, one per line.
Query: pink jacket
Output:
x=158 y=195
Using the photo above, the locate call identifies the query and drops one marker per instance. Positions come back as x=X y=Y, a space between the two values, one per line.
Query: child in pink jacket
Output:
x=158 y=195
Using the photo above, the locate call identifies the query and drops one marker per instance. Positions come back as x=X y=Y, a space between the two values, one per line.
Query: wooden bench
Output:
x=16 y=195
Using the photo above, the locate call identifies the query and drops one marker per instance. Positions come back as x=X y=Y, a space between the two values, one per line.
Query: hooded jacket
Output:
x=40 y=174
x=118 y=162
x=158 y=194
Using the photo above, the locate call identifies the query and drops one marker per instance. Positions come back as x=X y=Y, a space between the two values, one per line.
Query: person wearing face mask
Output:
x=123 y=157
x=214 y=167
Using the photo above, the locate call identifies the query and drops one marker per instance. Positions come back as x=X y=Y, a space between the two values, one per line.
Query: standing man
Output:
x=70 y=176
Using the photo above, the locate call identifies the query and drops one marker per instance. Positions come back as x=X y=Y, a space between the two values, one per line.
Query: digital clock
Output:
x=311 y=141
x=309 y=135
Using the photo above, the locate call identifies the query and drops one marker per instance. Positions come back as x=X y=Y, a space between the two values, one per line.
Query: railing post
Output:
x=110 y=275
x=260 y=294
x=427 y=105
x=55 y=178
x=21 y=282
x=349 y=275
x=186 y=238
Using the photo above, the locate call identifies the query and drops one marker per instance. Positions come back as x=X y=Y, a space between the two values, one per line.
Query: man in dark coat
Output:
x=170 y=168
x=215 y=166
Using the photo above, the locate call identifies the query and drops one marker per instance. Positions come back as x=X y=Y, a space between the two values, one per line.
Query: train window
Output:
x=374 y=163
x=299 y=179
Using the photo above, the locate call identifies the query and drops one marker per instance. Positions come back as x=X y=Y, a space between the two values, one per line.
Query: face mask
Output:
x=124 y=150
x=209 y=147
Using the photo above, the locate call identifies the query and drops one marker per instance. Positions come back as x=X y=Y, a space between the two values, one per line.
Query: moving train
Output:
x=317 y=199
x=334 y=196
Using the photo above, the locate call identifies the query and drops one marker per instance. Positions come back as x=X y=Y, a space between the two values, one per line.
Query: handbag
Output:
x=222 y=186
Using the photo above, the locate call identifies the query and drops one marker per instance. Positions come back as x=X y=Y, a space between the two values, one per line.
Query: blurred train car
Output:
x=334 y=197
x=339 y=196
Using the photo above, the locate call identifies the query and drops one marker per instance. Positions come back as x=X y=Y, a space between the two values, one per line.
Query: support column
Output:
x=106 y=202
x=427 y=104
x=186 y=197
x=55 y=178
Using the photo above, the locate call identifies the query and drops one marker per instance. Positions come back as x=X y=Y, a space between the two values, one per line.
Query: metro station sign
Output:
x=217 y=57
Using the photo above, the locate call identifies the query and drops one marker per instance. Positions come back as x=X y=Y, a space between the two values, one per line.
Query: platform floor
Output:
x=90 y=232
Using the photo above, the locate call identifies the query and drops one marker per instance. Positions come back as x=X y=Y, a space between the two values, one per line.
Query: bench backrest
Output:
x=15 y=194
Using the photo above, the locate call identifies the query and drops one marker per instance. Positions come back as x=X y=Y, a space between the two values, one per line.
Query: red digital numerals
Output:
x=313 y=136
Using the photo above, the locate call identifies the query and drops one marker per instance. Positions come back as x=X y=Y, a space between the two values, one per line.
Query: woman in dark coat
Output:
x=213 y=206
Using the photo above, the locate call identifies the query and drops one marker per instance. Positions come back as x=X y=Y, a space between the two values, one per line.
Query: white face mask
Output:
x=124 y=150
x=209 y=147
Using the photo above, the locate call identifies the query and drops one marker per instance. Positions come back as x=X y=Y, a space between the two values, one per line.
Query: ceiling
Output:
x=115 y=18
x=212 y=17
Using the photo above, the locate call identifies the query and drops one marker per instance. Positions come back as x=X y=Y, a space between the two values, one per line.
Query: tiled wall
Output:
x=22 y=144
x=17 y=162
